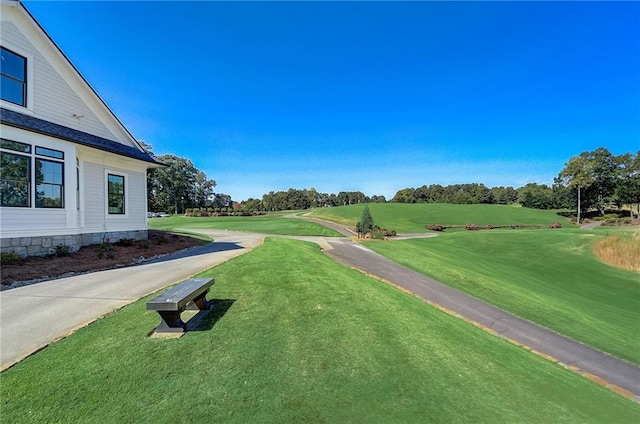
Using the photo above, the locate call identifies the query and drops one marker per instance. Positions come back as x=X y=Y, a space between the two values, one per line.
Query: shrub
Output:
x=435 y=227
x=125 y=242
x=188 y=212
x=10 y=258
x=62 y=251
x=471 y=227
x=555 y=225
x=163 y=239
x=143 y=244
x=489 y=226
x=105 y=250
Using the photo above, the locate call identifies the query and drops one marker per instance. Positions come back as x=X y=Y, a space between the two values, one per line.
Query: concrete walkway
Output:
x=34 y=316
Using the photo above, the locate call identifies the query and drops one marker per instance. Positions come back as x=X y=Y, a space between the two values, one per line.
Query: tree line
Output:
x=590 y=181
x=296 y=199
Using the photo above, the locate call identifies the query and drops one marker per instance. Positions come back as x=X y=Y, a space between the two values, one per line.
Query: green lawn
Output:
x=258 y=224
x=549 y=277
x=298 y=337
x=412 y=218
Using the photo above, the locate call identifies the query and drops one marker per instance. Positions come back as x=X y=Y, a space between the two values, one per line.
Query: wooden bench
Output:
x=189 y=294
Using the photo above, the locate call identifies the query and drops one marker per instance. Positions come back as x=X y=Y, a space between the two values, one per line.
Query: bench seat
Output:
x=189 y=294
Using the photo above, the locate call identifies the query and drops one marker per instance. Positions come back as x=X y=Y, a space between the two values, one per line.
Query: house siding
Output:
x=60 y=101
x=53 y=99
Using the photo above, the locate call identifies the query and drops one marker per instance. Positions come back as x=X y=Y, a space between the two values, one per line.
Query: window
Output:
x=13 y=68
x=19 y=168
x=49 y=184
x=115 y=194
x=14 y=182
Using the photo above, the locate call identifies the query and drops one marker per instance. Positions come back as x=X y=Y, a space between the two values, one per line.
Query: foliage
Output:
x=599 y=178
x=620 y=250
x=471 y=227
x=435 y=227
x=105 y=250
x=62 y=251
x=297 y=337
x=556 y=225
x=11 y=258
x=295 y=199
x=365 y=225
x=178 y=185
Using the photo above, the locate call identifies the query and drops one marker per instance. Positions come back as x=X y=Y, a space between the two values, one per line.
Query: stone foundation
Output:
x=46 y=245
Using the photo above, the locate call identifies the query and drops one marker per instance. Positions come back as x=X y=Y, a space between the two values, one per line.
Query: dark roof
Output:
x=41 y=126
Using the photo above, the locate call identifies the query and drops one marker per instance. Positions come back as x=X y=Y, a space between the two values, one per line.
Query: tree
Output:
x=365 y=225
x=578 y=173
x=627 y=189
x=177 y=186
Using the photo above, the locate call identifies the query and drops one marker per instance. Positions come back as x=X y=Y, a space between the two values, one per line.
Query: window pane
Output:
x=14 y=145
x=14 y=180
x=13 y=65
x=48 y=172
x=49 y=184
x=115 y=194
x=12 y=91
x=48 y=152
x=49 y=196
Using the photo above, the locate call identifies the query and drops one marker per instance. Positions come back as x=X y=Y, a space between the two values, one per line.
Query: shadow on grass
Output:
x=208 y=319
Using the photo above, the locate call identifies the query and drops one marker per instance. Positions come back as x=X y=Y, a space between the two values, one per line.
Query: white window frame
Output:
x=28 y=109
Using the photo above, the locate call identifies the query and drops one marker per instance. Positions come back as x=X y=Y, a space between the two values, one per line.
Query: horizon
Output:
x=362 y=96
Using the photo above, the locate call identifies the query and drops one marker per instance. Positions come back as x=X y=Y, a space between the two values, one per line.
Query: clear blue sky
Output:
x=369 y=96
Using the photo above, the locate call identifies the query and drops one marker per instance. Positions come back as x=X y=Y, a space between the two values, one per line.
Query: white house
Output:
x=71 y=173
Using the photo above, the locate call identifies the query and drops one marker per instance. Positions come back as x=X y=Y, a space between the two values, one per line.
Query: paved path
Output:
x=574 y=355
x=34 y=316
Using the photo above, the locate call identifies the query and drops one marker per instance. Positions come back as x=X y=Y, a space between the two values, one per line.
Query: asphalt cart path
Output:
x=619 y=375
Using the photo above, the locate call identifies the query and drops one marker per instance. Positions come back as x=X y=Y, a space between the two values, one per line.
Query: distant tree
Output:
x=627 y=189
x=177 y=186
x=538 y=196
x=406 y=195
x=578 y=174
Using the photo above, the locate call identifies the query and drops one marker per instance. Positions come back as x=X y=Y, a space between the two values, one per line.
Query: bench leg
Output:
x=200 y=303
x=171 y=323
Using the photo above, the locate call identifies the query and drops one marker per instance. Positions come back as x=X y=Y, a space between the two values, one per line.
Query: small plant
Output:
x=105 y=250
x=62 y=251
x=435 y=227
x=555 y=225
x=10 y=258
x=489 y=227
x=163 y=239
x=126 y=242
x=143 y=244
x=472 y=227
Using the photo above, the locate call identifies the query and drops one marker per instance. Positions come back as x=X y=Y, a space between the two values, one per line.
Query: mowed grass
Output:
x=412 y=218
x=266 y=224
x=550 y=277
x=298 y=337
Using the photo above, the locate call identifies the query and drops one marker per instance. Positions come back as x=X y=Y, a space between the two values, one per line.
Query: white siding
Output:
x=24 y=222
x=53 y=99
x=95 y=195
x=94 y=198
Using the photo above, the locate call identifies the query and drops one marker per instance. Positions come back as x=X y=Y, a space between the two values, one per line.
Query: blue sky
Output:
x=368 y=96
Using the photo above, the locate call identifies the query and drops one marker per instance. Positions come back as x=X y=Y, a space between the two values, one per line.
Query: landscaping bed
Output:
x=95 y=258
